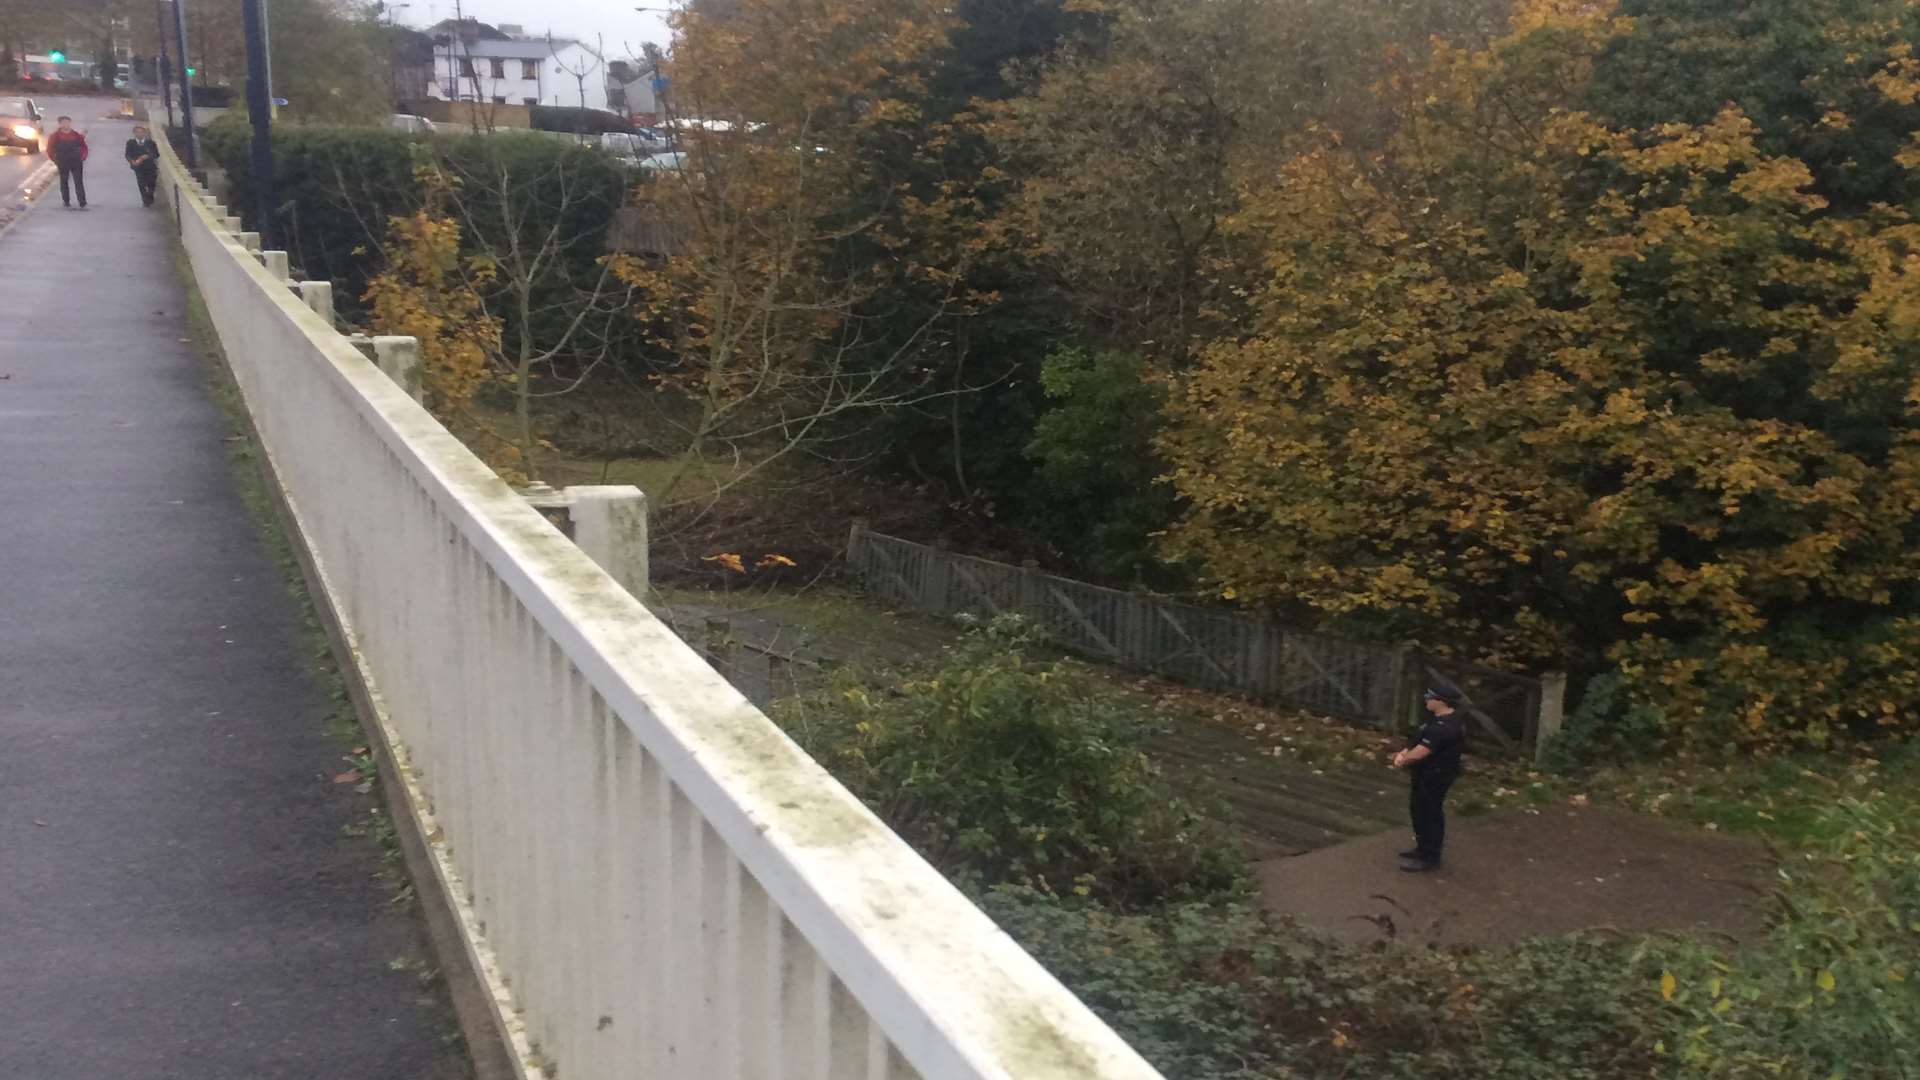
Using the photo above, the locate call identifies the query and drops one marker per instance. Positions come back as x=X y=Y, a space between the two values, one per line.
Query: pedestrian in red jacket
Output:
x=68 y=149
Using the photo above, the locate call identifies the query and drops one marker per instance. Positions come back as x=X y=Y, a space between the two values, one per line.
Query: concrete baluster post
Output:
x=319 y=297
x=233 y=223
x=399 y=357
x=610 y=525
x=250 y=241
x=276 y=264
x=1553 y=712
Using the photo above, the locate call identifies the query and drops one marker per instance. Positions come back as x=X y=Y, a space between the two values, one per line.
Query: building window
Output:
x=530 y=69
x=499 y=101
x=466 y=67
x=530 y=102
x=499 y=68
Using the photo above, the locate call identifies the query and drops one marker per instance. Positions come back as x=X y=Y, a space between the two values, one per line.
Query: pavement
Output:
x=180 y=898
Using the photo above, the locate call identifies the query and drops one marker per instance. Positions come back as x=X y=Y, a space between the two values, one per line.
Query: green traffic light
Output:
x=57 y=56
x=191 y=72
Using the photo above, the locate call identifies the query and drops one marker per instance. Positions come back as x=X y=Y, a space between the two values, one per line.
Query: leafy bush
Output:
x=1001 y=769
x=1221 y=991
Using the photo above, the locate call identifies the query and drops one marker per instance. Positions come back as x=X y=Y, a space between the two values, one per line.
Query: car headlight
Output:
x=25 y=131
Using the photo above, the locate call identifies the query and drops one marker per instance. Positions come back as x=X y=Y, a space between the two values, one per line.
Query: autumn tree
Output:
x=1804 y=71
x=769 y=327
x=1529 y=386
x=506 y=289
x=1127 y=141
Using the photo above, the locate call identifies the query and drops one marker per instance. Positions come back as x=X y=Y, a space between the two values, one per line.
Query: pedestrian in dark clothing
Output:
x=68 y=149
x=143 y=157
x=1432 y=761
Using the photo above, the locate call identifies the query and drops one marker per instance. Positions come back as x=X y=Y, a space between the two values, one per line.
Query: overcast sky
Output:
x=622 y=26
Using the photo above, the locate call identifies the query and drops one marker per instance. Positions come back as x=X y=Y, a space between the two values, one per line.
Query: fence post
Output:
x=319 y=297
x=1553 y=711
x=1393 y=712
x=399 y=357
x=276 y=264
x=752 y=675
x=857 y=550
x=717 y=647
x=933 y=587
x=610 y=525
x=250 y=241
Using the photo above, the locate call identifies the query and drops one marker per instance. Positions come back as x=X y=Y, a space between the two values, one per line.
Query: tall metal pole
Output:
x=186 y=85
x=165 y=73
x=260 y=111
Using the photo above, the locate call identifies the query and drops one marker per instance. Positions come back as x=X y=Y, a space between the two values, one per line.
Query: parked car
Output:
x=633 y=148
x=411 y=124
x=673 y=159
x=21 y=124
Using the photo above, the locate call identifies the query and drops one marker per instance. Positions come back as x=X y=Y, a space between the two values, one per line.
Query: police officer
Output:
x=1432 y=761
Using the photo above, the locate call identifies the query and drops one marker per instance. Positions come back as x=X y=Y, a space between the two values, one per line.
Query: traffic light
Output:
x=191 y=72
x=57 y=56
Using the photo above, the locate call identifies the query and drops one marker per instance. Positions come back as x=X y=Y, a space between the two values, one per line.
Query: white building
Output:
x=473 y=61
x=576 y=77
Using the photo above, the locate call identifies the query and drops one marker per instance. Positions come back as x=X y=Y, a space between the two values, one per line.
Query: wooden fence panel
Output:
x=1376 y=684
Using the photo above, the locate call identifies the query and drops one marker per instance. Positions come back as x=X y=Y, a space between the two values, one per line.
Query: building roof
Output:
x=507 y=50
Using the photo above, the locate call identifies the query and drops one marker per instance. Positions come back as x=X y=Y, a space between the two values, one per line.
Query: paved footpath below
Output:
x=178 y=900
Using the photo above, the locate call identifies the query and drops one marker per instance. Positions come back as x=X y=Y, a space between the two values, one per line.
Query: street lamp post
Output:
x=162 y=69
x=260 y=111
x=186 y=85
x=393 y=77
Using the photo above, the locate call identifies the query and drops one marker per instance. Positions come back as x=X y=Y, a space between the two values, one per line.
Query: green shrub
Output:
x=1607 y=726
x=1095 y=493
x=1002 y=769
x=1220 y=991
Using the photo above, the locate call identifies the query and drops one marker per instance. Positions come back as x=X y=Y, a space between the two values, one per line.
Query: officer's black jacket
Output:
x=1444 y=737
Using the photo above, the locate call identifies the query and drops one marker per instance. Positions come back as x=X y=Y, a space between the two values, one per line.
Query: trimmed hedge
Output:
x=338 y=186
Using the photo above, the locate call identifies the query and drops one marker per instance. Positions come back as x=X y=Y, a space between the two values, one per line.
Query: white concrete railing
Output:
x=656 y=880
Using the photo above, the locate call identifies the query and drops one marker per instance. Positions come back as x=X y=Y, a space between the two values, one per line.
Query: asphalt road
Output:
x=179 y=895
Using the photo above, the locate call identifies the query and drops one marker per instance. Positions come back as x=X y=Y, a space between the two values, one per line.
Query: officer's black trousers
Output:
x=1427 y=804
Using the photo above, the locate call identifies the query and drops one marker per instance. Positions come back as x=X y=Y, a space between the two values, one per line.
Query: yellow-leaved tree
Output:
x=785 y=230
x=1524 y=386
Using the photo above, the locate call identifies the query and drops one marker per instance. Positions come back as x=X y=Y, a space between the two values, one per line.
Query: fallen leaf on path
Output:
x=348 y=777
x=40 y=823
